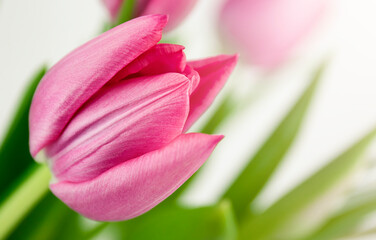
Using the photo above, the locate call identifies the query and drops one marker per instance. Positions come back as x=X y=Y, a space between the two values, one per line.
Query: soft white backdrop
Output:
x=42 y=31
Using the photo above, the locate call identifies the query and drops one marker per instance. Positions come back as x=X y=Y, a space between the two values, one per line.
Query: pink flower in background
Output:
x=266 y=30
x=111 y=117
x=176 y=10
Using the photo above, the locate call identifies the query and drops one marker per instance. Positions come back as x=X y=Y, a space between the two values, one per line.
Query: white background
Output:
x=42 y=31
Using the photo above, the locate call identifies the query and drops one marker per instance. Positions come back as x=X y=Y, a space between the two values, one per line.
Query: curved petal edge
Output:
x=214 y=73
x=137 y=185
x=81 y=73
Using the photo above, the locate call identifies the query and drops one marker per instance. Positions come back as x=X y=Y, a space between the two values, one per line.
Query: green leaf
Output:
x=175 y=222
x=262 y=165
x=126 y=12
x=23 y=199
x=24 y=182
x=14 y=151
x=265 y=224
x=224 y=110
x=346 y=220
x=45 y=221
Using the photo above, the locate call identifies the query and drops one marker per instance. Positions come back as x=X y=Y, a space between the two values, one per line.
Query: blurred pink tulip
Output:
x=265 y=31
x=176 y=10
x=111 y=117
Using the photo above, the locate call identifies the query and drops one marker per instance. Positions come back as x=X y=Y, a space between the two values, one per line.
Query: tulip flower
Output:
x=176 y=11
x=266 y=31
x=111 y=118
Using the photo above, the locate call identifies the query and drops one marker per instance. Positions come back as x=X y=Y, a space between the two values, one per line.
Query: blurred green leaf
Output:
x=224 y=110
x=14 y=151
x=174 y=222
x=264 y=225
x=45 y=221
x=16 y=166
x=106 y=26
x=346 y=220
x=126 y=12
x=262 y=165
x=15 y=207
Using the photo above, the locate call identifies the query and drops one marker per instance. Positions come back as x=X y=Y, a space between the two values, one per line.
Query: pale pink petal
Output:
x=113 y=7
x=176 y=10
x=214 y=73
x=266 y=31
x=135 y=186
x=121 y=122
x=74 y=79
x=159 y=59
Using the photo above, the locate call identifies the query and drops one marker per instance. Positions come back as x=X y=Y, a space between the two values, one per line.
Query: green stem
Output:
x=96 y=230
x=15 y=156
x=126 y=12
x=21 y=201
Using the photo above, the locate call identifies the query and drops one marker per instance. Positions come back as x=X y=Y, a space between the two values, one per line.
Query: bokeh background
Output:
x=37 y=32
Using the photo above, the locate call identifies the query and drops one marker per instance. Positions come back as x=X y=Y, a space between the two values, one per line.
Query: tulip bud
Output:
x=266 y=31
x=176 y=10
x=111 y=118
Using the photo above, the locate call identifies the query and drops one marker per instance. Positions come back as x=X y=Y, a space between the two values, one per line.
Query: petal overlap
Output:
x=213 y=73
x=74 y=79
x=137 y=185
x=159 y=59
x=135 y=121
x=111 y=117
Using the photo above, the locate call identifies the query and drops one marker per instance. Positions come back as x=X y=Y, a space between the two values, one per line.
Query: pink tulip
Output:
x=266 y=30
x=176 y=10
x=111 y=118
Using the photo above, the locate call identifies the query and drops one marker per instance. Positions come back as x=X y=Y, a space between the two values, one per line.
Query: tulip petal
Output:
x=193 y=76
x=135 y=186
x=80 y=74
x=121 y=122
x=113 y=7
x=176 y=11
x=213 y=73
x=161 y=58
x=267 y=31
